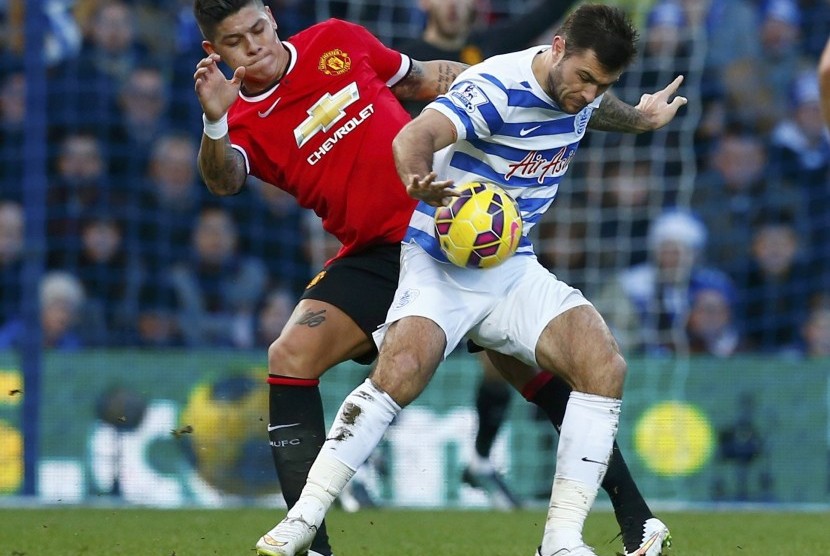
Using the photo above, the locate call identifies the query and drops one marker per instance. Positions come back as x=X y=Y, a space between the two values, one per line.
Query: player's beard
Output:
x=559 y=93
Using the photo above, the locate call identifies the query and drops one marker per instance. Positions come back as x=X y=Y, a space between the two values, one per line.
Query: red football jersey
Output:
x=324 y=133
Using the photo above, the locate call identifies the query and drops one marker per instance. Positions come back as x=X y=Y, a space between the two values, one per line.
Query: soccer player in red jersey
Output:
x=315 y=116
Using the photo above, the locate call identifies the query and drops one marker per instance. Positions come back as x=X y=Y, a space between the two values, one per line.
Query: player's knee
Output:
x=287 y=359
x=614 y=371
x=403 y=376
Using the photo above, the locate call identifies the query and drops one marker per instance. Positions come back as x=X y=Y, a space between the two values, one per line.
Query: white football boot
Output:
x=293 y=535
x=656 y=539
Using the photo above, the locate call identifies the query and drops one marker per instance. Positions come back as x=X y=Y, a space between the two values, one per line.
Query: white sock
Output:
x=358 y=428
x=585 y=444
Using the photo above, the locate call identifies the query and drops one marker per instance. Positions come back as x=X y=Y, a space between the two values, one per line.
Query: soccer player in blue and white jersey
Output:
x=517 y=120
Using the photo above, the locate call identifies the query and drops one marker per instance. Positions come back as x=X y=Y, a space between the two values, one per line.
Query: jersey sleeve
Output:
x=389 y=64
x=472 y=105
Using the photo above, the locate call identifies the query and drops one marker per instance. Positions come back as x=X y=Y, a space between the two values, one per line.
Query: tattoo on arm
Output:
x=312 y=318
x=427 y=80
x=222 y=168
x=615 y=115
x=447 y=72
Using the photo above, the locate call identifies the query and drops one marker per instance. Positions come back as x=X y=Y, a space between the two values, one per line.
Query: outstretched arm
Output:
x=413 y=148
x=222 y=167
x=824 y=83
x=427 y=80
x=652 y=112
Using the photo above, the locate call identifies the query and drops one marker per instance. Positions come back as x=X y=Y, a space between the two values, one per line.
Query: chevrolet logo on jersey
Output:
x=326 y=112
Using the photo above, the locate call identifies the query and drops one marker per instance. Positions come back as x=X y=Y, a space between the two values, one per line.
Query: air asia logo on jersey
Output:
x=468 y=96
x=534 y=164
x=334 y=62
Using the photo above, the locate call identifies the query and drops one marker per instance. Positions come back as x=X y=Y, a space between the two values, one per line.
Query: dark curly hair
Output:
x=604 y=29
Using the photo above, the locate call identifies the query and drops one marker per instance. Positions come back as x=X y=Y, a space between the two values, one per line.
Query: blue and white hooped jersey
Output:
x=510 y=132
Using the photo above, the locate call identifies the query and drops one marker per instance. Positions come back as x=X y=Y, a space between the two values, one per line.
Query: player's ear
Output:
x=558 y=47
x=271 y=18
x=208 y=47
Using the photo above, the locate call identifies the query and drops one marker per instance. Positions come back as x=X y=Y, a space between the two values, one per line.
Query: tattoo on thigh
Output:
x=312 y=318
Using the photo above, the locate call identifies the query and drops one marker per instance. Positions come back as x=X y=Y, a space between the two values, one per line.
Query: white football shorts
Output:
x=504 y=308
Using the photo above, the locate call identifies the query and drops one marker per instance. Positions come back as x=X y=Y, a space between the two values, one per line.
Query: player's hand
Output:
x=431 y=191
x=215 y=93
x=657 y=108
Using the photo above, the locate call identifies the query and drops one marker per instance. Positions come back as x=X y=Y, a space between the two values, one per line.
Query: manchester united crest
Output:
x=334 y=62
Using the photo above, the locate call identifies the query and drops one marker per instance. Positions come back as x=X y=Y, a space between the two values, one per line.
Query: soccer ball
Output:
x=223 y=432
x=480 y=228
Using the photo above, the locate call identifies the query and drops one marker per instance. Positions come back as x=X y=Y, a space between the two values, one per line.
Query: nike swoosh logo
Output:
x=594 y=461
x=275 y=427
x=526 y=130
x=267 y=112
x=648 y=544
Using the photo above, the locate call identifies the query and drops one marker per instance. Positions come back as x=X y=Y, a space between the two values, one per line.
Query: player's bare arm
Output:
x=413 y=148
x=652 y=112
x=427 y=80
x=222 y=168
x=824 y=82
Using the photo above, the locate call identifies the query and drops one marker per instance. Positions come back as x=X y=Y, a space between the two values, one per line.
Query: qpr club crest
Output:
x=581 y=120
x=334 y=62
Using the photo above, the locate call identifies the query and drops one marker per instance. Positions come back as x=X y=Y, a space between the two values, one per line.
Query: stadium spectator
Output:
x=776 y=287
x=170 y=200
x=451 y=33
x=800 y=148
x=62 y=37
x=12 y=131
x=815 y=332
x=769 y=73
x=157 y=323
x=647 y=305
x=800 y=157
x=81 y=183
x=438 y=304
x=83 y=91
x=61 y=297
x=12 y=222
x=711 y=327
x=730 y=193
x=111 y=44
x=217 y=287
x=143 y=102
x=625 y=197
x=111 y=275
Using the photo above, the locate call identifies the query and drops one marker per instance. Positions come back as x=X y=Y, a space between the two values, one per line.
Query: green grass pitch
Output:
x=134 y=532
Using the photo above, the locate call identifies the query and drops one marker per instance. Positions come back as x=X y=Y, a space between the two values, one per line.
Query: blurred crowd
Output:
x=139 y=254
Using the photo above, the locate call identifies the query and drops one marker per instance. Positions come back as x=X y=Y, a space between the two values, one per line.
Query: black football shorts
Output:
x=362 y=286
